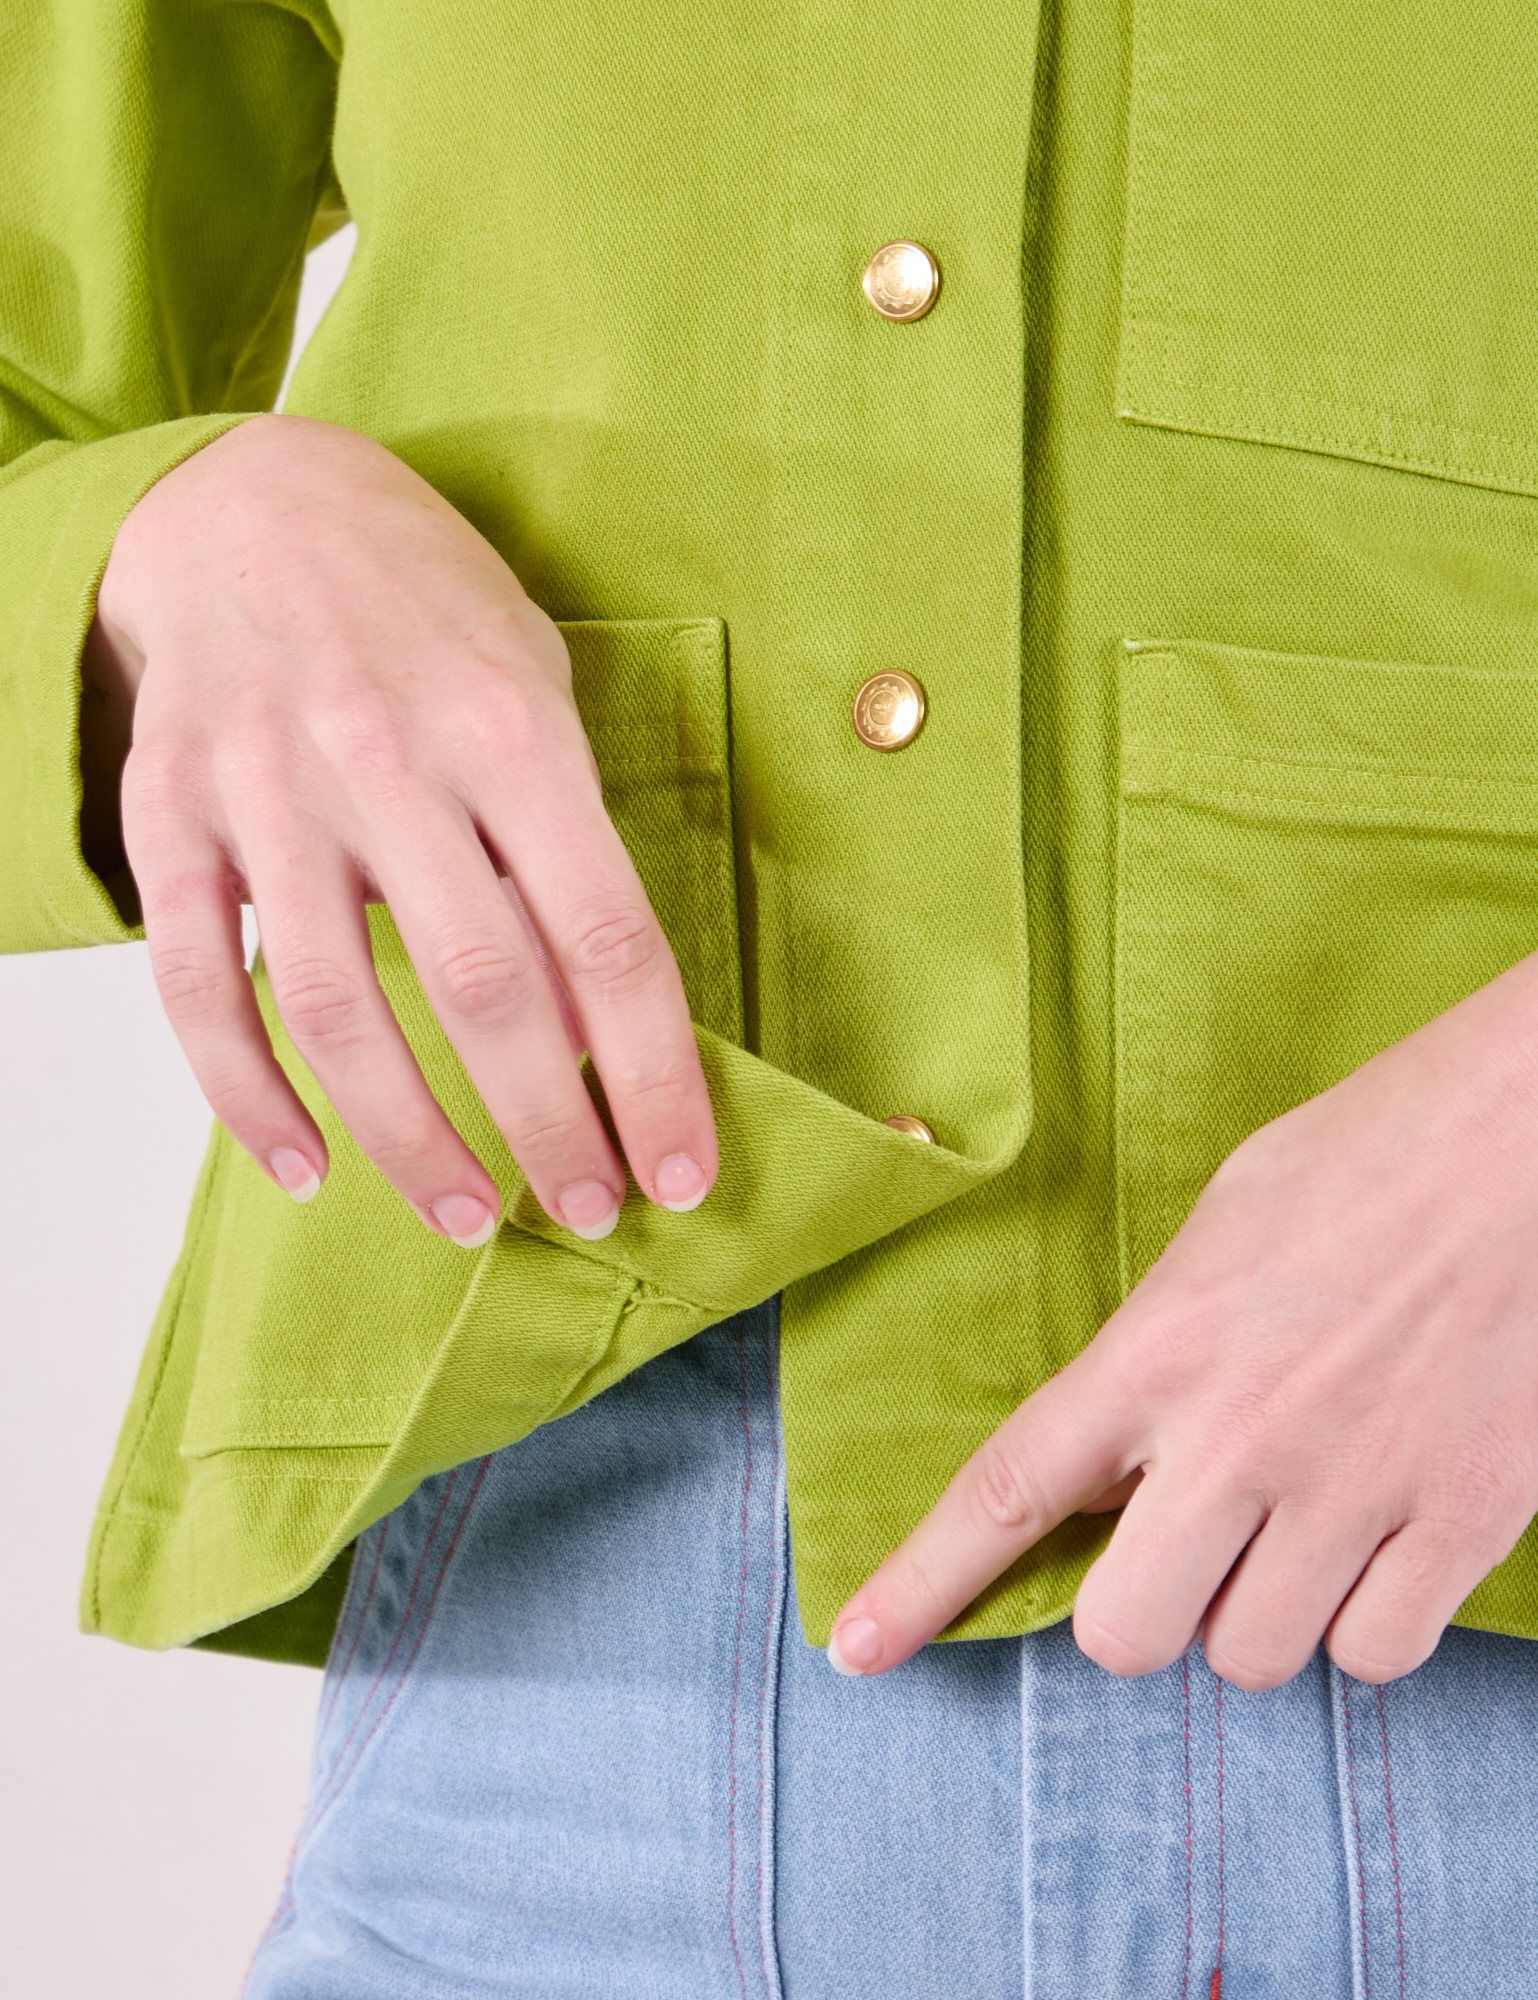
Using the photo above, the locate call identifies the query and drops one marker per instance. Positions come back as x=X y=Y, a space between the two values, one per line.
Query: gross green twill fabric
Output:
x=1203 y=504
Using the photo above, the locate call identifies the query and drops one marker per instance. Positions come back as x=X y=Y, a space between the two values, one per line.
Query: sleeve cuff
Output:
x=60 y=509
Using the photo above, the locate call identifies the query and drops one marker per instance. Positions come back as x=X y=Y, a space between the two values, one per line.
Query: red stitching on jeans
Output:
x=1217 y=1970
x=327 y=1794
x=742 y=1605
x=427 y=1614
x=775 y=1582
x=340 y=1673
x=325 y=1798
x=1356 y=1821
x=763 y=1684
x=278 y=1922
x=1393 y=1839
x=336 y=1677
x=1185 y=1692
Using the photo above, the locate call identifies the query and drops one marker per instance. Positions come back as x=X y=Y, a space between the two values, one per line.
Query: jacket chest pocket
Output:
x=1332 y=230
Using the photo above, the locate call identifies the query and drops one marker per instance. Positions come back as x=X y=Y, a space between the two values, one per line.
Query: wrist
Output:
x=154 y=554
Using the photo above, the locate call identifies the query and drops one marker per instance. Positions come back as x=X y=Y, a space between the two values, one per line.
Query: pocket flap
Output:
x=1342 y=741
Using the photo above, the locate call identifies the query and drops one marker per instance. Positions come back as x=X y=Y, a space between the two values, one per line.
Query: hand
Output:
x=1320 y=1407
x=340 y=693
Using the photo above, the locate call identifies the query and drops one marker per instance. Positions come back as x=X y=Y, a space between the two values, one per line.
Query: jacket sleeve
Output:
x=162 y=166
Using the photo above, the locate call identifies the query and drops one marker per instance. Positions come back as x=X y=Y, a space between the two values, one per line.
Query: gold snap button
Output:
x=902 y=281
x=889 y=710
x=912 y=1128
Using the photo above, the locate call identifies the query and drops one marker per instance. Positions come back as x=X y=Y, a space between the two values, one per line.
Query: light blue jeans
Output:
x=572 y=1746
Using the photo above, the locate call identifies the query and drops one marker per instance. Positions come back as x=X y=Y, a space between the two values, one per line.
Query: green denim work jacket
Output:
x=1204 y=504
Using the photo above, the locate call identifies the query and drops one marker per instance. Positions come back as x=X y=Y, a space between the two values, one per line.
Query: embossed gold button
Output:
x=902 y=281
x=889 y=710
x=913 y=1128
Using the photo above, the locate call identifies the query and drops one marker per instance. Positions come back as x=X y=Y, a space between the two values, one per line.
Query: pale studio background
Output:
x=147 y=1801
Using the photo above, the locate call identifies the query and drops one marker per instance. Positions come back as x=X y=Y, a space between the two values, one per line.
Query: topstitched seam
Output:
x=332 y=1790
x=1356 y=1823
x=742 y=1597
x=1393 y=1840
x=1173 y=742
x=763 y=1684
x=426 y=1621
x=1391 y=815
x=1217 y=1970
x=1185 y=1690
x=1279 y=403
x=326 y=1794
x=338 y=1674
x=112 y=1507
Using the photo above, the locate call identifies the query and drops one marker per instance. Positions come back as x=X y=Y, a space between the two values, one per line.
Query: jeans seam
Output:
x=280 y=1917
x=768 y=1709
x=1356 y=1825
x=341 y=1774
x=403 y=1625
x=336 y=1674
x=1217 y=1970
x=1027 y=1801
x=1393 y=1841
x=422 y=1631
x=1185 y=1694
x=731 y=1740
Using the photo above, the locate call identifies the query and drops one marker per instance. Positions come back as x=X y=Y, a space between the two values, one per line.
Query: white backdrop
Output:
x=147 y=1802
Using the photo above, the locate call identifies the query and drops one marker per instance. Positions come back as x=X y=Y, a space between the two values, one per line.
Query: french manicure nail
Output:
x=294 y=1174
x=589 y=1210
x=464 y=1220
x=680 y=1183
x=855 y=1647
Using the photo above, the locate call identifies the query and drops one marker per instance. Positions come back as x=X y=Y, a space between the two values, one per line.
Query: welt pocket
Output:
x=1332 y=230
x=1316 y=856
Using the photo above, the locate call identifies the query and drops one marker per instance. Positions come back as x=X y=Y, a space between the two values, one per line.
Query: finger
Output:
x=575 y=1039
x=192 y=920
x=485 y=984
x=315 y=943
x=581 y=889
x=1116 y=1496
x=1060 y=1449
x=1267 y=1620
x=1392 y=1620
x=1141 y=1603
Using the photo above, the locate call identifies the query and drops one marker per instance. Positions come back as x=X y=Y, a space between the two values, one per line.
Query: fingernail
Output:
x=294 y=1174
x=855 y=1647
x=589 y=1210
x=464 y=1220
x=680 y=1183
